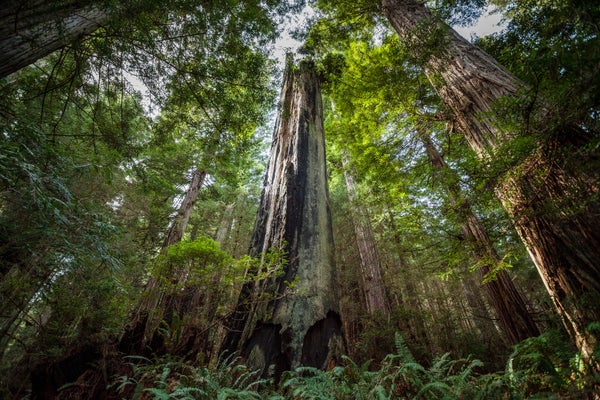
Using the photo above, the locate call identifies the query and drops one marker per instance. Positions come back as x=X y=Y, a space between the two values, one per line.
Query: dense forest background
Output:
x=134 y=145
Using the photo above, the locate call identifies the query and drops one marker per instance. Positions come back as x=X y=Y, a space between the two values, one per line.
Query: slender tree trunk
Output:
x=484 y=322
x=177 y=228
x=215 y=336
x=32 y=29
x=156 y=302
x=418 y=331
x=551 y=202
x=477 y=309
x=373 y=285
x=276 y=326
x=507 y=302
x=225 y=225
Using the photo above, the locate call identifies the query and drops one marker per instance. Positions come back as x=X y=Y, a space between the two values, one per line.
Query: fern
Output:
x=402 y=349
x=536 y=369
x=435 y=390
x=159 y=394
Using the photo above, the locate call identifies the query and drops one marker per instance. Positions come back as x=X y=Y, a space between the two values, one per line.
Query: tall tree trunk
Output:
x=177 y=228
x=156 y=302
x=561 y=233
x=276 y=326
x=478 y=314
x=32 y=29
x=373 y=285
x=225 y=225
x=215 y=335
x=141 y=336
x=418 y=331
x=489 y=331
x=507 y=302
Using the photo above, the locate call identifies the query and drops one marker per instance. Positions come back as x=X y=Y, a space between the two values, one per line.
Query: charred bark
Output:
x=563 y=239
x=276 y=326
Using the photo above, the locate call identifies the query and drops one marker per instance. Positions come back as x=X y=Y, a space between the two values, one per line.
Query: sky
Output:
x=487 y=24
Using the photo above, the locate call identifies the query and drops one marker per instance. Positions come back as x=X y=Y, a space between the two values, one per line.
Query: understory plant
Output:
x=539 y=368
x=170 y=378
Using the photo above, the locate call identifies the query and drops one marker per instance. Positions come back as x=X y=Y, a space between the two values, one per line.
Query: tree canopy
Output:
x=462 y=177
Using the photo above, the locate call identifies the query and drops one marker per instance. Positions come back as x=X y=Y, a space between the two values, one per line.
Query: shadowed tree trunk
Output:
x=483 y=320
x=32 y=29
x=418 y=331
x=157 y=303
x=373 y=286
x=278 y=325
x=177 y=228
x=552 y=203
x=505 y=299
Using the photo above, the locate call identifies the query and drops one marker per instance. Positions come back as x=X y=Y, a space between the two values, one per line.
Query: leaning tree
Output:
x=552 y=202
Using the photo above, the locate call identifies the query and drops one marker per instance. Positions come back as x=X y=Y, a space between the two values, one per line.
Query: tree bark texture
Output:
x=505 y=299
x=157 y=304
x=278 y=326
x=418 y=331
x=177 y=228
x=32 y=29
x=373 y=285
x=563 y=239
x=483 y=320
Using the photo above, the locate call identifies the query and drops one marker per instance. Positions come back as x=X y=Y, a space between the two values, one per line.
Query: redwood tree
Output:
x=32 y=29
x=553 y=205
x=159 y=301
x=372 y=280
x=505 y=299
x=290 y=319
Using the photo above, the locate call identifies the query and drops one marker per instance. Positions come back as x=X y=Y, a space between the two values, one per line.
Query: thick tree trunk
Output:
x=32 y=29
x=560 y=231
x=507 y=302
x=373 y=285
x=276 y=326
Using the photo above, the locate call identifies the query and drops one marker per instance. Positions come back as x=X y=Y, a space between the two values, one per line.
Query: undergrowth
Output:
x=539 y=368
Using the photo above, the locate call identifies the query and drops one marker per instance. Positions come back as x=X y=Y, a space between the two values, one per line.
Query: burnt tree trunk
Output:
x=373 y=285
x=552 y=203
x=277 y=326
x=32 y=29
x=505 y=299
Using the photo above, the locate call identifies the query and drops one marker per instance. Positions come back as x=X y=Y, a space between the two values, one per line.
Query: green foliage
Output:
x=399 y=376
x=172 y=378
x=539 y=368
x=64 y=275
x=541 y=363
x=531 y=372
x=460 y=12
x=201 y=258
x=554 y=47
x=89 y=172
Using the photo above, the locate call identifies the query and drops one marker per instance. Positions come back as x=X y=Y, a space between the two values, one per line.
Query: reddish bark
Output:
x=552 y=202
